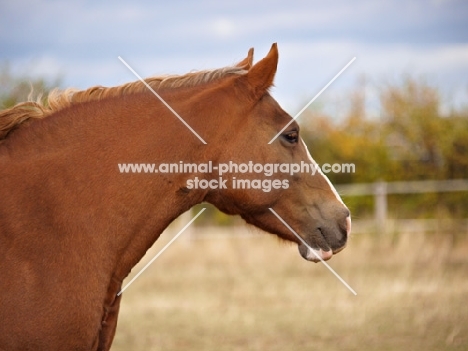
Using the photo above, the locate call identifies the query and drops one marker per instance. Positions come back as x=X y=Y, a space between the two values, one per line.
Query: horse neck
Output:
x=81 y=147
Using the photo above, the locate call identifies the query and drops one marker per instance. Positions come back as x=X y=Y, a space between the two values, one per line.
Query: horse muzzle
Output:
x=330 y=242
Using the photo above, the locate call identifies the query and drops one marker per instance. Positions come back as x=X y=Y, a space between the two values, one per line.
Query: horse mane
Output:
x=57 y=100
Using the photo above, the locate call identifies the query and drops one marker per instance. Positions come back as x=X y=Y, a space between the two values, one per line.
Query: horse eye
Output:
x=291 y=137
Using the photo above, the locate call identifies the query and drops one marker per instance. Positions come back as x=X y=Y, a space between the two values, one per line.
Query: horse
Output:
x=72 y=226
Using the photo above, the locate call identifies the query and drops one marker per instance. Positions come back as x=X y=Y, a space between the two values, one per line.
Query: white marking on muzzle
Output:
x=332 y=188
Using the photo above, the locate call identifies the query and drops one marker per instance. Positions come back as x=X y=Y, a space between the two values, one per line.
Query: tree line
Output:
x=412 y=137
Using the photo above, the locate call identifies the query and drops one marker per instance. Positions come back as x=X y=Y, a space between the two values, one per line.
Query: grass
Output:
x=255 y=293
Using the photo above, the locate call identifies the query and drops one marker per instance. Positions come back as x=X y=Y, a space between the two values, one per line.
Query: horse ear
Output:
x=260 y=77
x=248 y=61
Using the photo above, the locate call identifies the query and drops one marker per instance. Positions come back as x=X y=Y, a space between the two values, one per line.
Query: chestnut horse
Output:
x=72 y=226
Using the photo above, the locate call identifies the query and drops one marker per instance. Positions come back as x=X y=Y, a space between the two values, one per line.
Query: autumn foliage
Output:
x=410 y=138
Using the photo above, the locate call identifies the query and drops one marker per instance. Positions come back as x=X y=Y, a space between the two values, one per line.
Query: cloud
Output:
x=82 y=39
x=223 y=27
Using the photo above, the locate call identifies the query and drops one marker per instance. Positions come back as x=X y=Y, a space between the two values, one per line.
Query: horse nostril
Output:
x=347 y=213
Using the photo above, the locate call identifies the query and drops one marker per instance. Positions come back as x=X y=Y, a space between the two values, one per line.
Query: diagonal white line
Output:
x=162 y=100
x=160 y=252
x=313 y=99
x=307 y=245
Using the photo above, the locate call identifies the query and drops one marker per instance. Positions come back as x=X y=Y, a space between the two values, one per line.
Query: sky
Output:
x=80 y=41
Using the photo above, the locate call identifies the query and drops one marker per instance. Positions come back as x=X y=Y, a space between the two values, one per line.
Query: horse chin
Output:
x=314 y=255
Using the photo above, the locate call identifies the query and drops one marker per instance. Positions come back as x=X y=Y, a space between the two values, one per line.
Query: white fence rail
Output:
x=380 y=190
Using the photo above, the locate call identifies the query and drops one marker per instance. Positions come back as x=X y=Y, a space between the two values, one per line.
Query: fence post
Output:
x=380 y=199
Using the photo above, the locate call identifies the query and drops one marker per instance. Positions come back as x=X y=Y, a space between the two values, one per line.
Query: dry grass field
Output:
x=253 y=292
